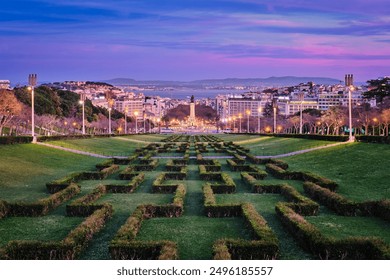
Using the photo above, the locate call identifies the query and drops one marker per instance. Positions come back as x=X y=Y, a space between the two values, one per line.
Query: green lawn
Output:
x=114 y=146
x=360 y=169
x=26 y=168
x=266 y=146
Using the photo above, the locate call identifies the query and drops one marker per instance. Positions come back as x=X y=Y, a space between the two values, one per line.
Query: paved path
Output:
x=73 y=150
x=304 y=151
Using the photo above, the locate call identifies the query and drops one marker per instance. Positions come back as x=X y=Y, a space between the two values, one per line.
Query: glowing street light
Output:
x=240 y=116
x=350 y=89
x=110 y=103
x=301 y=97
x=136 y=120
x=126 y=112
x=373 y=127
x=32 y=81
x=248 y=113
x=82 y=102
x=259 y=121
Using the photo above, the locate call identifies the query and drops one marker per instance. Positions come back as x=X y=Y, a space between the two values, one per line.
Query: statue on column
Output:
x=192 y=99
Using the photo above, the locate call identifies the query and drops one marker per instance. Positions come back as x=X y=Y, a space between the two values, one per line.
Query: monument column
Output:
x=192 y=111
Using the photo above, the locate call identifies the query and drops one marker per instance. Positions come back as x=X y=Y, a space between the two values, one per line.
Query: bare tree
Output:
x=9 y=107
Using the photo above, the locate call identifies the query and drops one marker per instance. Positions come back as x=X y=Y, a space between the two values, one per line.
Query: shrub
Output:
x=141 y=250
x=3 y=209
x=331 y=200
x=221 y=250
x=130 y=187
x=252 y=159
x=323 y=182
x=83 y=207
x=81 y=235
x=373 y=139
x=105 y=164
x=62 y=183
x=43 y=206
x=67 y=249
x=7 y=140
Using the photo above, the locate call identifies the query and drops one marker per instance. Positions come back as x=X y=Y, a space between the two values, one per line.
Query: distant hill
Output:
x=271 y=81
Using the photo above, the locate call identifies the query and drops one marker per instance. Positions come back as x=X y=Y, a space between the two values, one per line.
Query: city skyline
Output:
x=150 y=40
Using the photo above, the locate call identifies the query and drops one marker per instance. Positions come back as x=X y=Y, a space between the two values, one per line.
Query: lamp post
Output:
x=248 y=113
x=259 y=121
x=373 y=126
x=32 y=81
x=109 y=120
x=126 y=112
x=350 y=88
x=240 y=116
x=136 y=121
x=82 y=102
x=110 y=103
x=275 y=106
x=301 y=96
x=144 y=117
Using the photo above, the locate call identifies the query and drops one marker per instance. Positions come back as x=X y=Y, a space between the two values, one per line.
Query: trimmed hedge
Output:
x=123 y=245
x=3 y=209
x=319 y=180
x=334 y=201
x=60 y=184
x=373 y=139
x=141 y=250
x=42 y=206
x=8 y=140
x=67 y=249
x=130 y=187
x=311 y=239
x=83 y=207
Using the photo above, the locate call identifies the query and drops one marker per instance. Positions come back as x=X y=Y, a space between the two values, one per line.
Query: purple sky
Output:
x=193 y=39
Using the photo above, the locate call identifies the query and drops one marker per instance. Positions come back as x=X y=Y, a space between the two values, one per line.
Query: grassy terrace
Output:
x=360 y=169
x=269 y=146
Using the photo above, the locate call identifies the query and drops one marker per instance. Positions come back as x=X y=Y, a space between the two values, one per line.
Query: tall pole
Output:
x=240 y=116
x=234 y=124
x=248 y=113
x=275 y=107
x=32 y=81
x=82 y=102
x=109 y=120
x=126 y=111
x=136 y=121
x=350 y=113
x=301 y=95
x=259 y=121
x=144 y=122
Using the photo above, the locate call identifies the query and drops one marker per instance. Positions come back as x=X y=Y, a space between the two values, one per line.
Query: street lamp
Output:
x=126 y=112
x=301 y=96
x=259 y=121
x=82 y=102
x=240 y=116
x=144 y=117
x=350 y=88
x=136 y=120
x=110 y=103
x=234 y=124
x=275 y=108
x=373 y=126
x=248 y=113
x=32 y=81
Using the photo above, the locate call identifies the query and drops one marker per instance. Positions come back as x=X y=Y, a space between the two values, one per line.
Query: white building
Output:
x=5 y=84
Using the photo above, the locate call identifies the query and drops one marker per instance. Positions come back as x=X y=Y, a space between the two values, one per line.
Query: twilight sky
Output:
x=193 y=39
